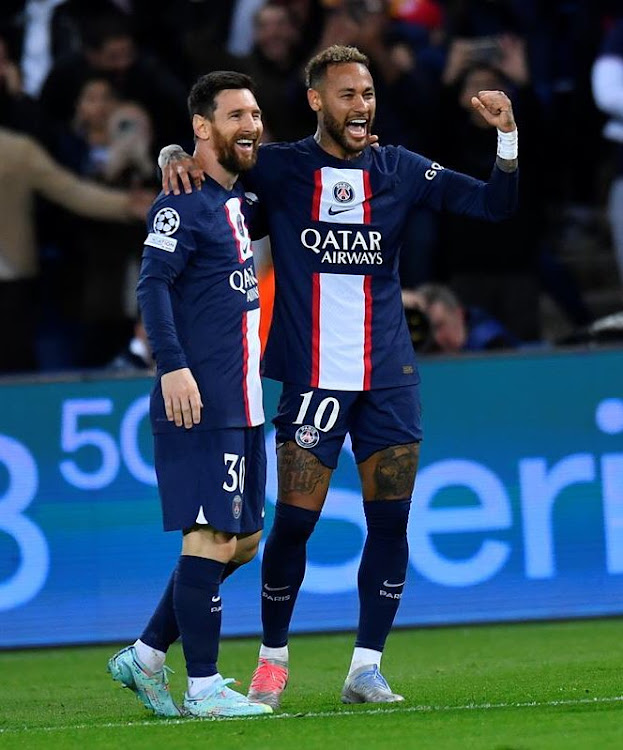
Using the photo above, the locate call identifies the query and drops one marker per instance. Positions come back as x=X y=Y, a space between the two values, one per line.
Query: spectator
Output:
x=500 y=271
x=110 y=142
x=455 y=327
x=19 y=111
x=83 y=147
x=274 y=63
x=474 y=19
x=242 y=27
x=137 y=355
x=110 y=51
x=109 y=139
x=46 y=30
x=561 y=40
x=607 y=81
x=205 y=41
x=25 y=171
x=506 y=276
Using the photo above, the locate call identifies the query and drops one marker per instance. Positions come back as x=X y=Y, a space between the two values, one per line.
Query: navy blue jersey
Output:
x=199 y=300
x=336 y=230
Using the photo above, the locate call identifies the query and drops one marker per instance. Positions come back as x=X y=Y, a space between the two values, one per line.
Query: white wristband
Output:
x=507 y=144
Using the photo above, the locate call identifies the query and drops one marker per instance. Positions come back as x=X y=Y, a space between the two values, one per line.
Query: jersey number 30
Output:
x=235 y=472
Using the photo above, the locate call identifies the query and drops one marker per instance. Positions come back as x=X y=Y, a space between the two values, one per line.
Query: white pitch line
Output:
x=322 y=714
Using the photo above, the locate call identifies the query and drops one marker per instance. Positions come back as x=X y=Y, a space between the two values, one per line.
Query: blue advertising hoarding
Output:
x=517 y=513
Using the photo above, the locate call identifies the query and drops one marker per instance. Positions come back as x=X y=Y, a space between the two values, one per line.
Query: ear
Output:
x=201 y=127
x=314 y=100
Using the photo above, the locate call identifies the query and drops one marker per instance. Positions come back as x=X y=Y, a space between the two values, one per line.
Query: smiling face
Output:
x=345 y=102
x=234 y=129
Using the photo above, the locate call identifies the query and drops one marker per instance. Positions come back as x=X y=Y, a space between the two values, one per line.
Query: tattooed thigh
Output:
x=300 y=473
x=390 y=473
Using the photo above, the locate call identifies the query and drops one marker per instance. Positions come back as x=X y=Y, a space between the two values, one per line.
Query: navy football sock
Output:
x=230 y=568
x=198 y=608
x=162 y=630
x=382 y=571
x=283 y=568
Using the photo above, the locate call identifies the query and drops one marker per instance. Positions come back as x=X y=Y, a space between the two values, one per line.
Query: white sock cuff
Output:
x=149 y=657
x=280 y=653
x=197 y=685
x=507 y=144
x=363 y=657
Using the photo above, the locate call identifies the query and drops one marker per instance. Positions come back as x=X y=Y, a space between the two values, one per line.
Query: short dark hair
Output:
x=202 y=97
x=316 y=68
x=432 y=293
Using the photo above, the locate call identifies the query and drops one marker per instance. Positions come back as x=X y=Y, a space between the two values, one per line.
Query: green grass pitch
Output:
x=531 y=686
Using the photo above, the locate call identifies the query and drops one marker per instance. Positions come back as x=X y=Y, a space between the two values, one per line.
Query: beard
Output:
x=339 y=134
x=227 y=156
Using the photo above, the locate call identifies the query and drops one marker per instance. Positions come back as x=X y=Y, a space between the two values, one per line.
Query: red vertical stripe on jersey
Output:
x=315 y=323
x=367 y=333
x=245 y=367
x=317 y=195
x=367 y=191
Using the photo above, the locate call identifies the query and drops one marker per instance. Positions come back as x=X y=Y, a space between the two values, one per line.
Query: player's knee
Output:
x=387 y=519
x=246 y=548
x=293 y=524
x=226 y=542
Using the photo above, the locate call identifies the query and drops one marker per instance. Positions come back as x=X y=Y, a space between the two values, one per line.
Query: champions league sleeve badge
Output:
x=307 y=436
x=166 y=221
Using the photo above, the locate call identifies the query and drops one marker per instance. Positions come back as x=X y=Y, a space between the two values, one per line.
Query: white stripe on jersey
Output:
x=239 y=229
x=341 y=332
x=252 y=382
x=342 y=196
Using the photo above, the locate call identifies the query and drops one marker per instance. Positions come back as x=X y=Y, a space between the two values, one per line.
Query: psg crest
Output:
x=166 y=221
x=343 y=192
x=236 y=507
x=307 y=436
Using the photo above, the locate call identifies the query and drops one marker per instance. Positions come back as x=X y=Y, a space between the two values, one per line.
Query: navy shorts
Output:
x=215 y=477
x=318 y=420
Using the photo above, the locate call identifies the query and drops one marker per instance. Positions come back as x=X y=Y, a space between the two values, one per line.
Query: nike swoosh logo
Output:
x=393 y=585
x=216 y=599
x=335 y=211
x=275 y=588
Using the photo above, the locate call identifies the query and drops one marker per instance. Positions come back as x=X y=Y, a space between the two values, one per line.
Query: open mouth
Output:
x=245 y=145
x=357 y=128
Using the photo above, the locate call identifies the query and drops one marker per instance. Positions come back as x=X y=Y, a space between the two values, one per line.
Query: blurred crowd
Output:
x=90 y=92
